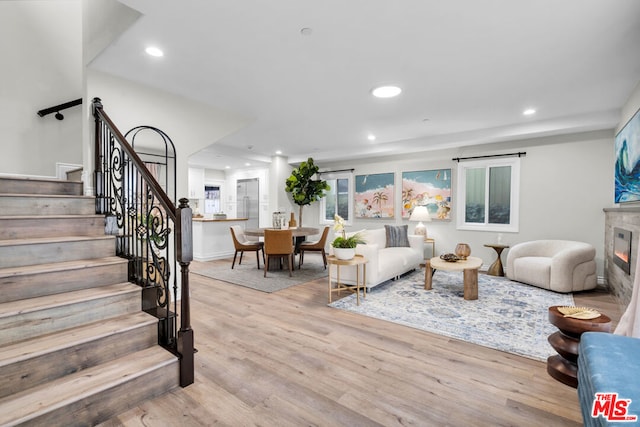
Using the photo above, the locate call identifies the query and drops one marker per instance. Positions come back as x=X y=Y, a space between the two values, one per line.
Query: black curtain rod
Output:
x=339 y=170
x=60 y=107
x=519 y=154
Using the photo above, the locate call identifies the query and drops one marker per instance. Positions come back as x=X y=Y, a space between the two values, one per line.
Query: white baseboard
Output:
x=212 y=256
x=89 y=189
x=63 y=168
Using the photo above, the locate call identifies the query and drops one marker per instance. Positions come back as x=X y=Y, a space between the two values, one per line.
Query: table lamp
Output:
x=420 y=213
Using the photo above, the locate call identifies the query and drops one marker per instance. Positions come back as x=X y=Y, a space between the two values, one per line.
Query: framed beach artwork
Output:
x=429 y=188
x=374 y=195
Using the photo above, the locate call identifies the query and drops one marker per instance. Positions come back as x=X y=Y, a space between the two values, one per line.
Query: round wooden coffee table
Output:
x=469 y=268
x=564 y=365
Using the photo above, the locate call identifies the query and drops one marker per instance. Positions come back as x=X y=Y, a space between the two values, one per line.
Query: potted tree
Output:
x=303 y=187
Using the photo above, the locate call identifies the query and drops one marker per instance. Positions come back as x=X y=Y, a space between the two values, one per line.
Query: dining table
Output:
x=299 y=233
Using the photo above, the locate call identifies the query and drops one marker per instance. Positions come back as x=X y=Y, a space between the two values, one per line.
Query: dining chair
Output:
x=314 y=246
x=278 y=244
x=242 y=245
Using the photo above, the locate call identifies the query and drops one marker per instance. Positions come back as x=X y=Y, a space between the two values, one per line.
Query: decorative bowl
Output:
x=449 y=257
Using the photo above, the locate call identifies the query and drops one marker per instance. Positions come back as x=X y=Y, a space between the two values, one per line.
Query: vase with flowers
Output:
x=344 y=247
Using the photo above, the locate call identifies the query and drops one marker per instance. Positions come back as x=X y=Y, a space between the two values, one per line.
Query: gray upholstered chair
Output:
x=557 y=265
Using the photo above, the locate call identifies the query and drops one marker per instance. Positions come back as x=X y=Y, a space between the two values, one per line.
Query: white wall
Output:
x=565 y=183
x=280 y=200
x=630 y=108
x=190 y=125
x=41 y=67
x=229 y=203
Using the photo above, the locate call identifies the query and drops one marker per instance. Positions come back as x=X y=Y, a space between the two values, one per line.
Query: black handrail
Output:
x=57 y=108
x=127 y=191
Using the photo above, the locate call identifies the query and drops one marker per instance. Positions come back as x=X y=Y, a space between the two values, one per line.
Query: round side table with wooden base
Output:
x=469 y=268
x=496 y=268
x=564 y=365
x=359 y=262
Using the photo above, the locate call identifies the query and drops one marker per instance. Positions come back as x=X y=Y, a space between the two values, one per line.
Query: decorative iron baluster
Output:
x=145 y=217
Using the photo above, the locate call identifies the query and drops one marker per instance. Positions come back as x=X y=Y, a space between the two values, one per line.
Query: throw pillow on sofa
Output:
x=397 y=236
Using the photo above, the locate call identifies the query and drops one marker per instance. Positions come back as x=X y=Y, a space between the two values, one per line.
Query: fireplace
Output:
x=622 y=249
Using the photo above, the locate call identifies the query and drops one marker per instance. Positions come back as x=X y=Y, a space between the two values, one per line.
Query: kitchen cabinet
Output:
x=212 y=238
x=196 y=183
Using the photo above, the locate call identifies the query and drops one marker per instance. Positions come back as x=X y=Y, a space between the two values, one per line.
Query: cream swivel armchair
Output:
x=557 y=265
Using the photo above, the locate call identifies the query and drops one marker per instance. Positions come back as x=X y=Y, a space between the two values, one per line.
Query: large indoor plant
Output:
x=344 y=247
x=303 y=187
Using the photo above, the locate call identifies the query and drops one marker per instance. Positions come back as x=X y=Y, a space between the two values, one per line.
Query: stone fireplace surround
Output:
x=620 y=283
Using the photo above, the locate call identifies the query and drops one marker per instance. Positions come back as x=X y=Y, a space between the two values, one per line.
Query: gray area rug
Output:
x=507 y=316
x=248 y=275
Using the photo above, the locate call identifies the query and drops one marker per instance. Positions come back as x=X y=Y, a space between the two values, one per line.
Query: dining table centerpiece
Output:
x=344 y=247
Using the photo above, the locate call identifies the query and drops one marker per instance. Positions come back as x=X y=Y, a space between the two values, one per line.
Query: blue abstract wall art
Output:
x=627 y=170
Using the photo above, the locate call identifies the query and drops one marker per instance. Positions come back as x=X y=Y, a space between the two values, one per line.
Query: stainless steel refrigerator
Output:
x=247 y=195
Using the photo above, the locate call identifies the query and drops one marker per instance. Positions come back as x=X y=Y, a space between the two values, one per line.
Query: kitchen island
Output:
x=212 y=238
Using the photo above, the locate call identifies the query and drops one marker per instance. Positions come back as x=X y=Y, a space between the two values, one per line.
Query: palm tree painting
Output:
x=374 y=196
x=429 y=188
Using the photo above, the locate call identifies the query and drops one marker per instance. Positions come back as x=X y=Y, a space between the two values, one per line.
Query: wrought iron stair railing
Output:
x=151 y=232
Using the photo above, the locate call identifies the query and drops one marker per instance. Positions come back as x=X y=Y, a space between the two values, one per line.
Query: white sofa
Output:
x=384 y=262
x=557 y=265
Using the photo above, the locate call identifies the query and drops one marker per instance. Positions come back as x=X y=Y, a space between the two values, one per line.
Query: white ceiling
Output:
x=468 y=68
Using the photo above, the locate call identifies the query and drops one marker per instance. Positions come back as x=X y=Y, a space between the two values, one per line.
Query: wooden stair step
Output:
x=24 y=319
x=22 y=252
x=46 y=204
x=22 y=227
x=41 y=359
x=75 y=174
x=26 y=185
x=46 y=279
x=93 y=395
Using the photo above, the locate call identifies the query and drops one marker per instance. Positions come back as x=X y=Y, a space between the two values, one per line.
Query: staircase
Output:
x=75 y=347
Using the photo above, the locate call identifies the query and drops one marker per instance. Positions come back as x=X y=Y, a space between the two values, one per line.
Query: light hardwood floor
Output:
x=286 y=359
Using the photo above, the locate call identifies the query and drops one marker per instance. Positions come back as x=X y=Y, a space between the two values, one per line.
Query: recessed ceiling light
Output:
x=227 y=167
x=371 y=137
x=386 y=91
x=278 y=152
x=529 y=112
x=247 y=164
x=154 y=51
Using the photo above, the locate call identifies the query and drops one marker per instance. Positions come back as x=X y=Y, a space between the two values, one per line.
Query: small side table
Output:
x=563 y=366
x=432 y=242
x=360 y=262
x=496 y=268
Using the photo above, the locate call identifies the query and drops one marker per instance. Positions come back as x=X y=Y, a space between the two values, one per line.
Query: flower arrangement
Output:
x=343 y=241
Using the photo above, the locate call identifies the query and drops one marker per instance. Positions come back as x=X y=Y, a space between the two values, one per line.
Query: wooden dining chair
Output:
x=314 y=246
x=278 y=244
x=243 y=245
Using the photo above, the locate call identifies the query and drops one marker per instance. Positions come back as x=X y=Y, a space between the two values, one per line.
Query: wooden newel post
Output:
x=185 y=256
